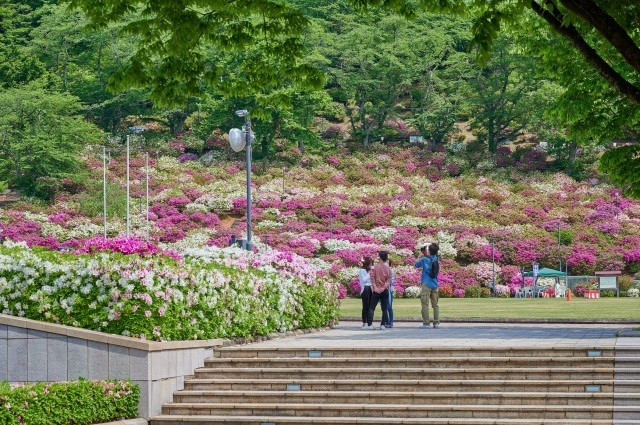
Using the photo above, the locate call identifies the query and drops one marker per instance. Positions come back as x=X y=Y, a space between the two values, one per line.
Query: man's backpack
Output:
x=435 y=269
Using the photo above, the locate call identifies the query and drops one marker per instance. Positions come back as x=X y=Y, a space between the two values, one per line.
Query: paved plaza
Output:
x=408 y=335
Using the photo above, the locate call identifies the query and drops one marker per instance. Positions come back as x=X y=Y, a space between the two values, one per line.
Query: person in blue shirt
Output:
x=391 y=291
x=429 y=290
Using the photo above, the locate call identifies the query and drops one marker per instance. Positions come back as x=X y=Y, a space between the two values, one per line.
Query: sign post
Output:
x=535 y=268
x=608 y=280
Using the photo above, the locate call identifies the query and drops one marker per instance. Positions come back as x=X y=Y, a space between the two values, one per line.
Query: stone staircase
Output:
x=250 y=386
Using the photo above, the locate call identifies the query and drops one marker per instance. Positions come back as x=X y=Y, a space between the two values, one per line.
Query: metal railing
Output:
x=573 y=281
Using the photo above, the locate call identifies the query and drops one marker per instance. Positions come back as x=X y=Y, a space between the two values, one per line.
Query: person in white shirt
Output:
x=365 y=288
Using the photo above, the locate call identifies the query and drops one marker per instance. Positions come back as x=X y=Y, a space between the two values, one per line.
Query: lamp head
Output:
x=242 y=113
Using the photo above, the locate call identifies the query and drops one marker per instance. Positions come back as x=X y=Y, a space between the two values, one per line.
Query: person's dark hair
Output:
x=367 y=263
x=433 y=249
x=423 y=248
x=384 y=255
x=390 y=263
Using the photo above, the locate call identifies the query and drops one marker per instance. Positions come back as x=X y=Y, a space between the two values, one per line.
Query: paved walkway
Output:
x=349 y=334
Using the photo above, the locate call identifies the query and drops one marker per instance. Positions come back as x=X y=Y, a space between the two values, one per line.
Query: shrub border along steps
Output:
x=61 y=353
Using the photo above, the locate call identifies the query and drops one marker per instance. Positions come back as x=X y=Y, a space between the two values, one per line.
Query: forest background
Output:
x=358 y=77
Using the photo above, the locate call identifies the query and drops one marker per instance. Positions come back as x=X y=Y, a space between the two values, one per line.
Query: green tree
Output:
x=84 y=61
x=173 y=41
x=588 y=25
x=500 y=94
x=42 y=136
x=17 y=66
x=379 y=65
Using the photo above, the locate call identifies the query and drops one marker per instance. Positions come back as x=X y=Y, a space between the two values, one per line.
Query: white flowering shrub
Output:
x=334 y=245
x=633 y=292
x=211 y=293
x=412 y=291
x=408 y=221
x=446 y=243
x=485 y=165
x=383 y=233
x=268 y=224
x=346 y=275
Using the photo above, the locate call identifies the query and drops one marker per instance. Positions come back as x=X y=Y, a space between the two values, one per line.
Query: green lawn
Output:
x=511 y=308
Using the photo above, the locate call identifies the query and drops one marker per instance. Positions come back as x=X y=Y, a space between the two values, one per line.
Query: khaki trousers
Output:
x=425 y=295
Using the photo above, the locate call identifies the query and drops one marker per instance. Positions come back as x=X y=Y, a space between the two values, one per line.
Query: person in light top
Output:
x=365 y=288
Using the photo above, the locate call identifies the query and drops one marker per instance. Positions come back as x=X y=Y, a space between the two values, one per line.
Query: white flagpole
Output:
x=104 y=189
x=147 y=163
x=127 y=186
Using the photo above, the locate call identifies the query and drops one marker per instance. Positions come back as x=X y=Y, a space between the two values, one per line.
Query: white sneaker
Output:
x=423 y=326
x=382 y=327
x=436 y=325
x=368 y=328
x=364 y=326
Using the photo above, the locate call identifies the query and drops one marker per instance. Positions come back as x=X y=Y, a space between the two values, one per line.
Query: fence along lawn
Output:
x=510 y=308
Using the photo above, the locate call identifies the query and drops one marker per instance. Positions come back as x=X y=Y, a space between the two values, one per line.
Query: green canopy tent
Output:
x=546 y=272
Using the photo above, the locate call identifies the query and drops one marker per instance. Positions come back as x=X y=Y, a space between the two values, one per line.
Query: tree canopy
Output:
x=173 y=37
x=590 y=26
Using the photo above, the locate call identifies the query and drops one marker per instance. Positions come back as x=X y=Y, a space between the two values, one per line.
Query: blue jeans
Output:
x=390 y=309
x=383 y=299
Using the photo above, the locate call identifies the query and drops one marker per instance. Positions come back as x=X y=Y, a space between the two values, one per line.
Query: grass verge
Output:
x=512 y=308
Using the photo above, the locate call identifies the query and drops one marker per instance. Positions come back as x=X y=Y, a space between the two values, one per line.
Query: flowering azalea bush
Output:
x=210 y=293
x=78 y=402
x=334 y=210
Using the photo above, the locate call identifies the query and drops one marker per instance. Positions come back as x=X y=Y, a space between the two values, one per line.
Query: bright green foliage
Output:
x=175 y=37
x=379 y=63
x=282 y=108
x=80 y=402
x=502 y=93
x=16 y=65
x=84 y=60
x=589 y=26
x=41 y=137
x=622 y=165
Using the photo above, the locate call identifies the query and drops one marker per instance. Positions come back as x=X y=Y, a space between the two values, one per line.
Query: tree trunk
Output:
x=556 y=19
x=608 y=27
x=65 y=64
x=573 y=153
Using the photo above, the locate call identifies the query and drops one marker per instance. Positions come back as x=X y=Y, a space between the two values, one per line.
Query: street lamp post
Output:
x=284 y=173
x=559 y=255
x=493 y=268
x=330 y=221
x=238 y=141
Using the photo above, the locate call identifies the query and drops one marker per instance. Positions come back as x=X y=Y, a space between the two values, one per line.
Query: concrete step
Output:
x=631 y=413
x=487 y=411
x=460 y=385
x=626 y=385
x=428 y=352
x=417 y=362
x=627 y=373
x=288 y=420
x=518 y=373
x=406 y=397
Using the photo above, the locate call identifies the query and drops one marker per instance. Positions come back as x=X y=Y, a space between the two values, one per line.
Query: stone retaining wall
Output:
x=32 y=351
